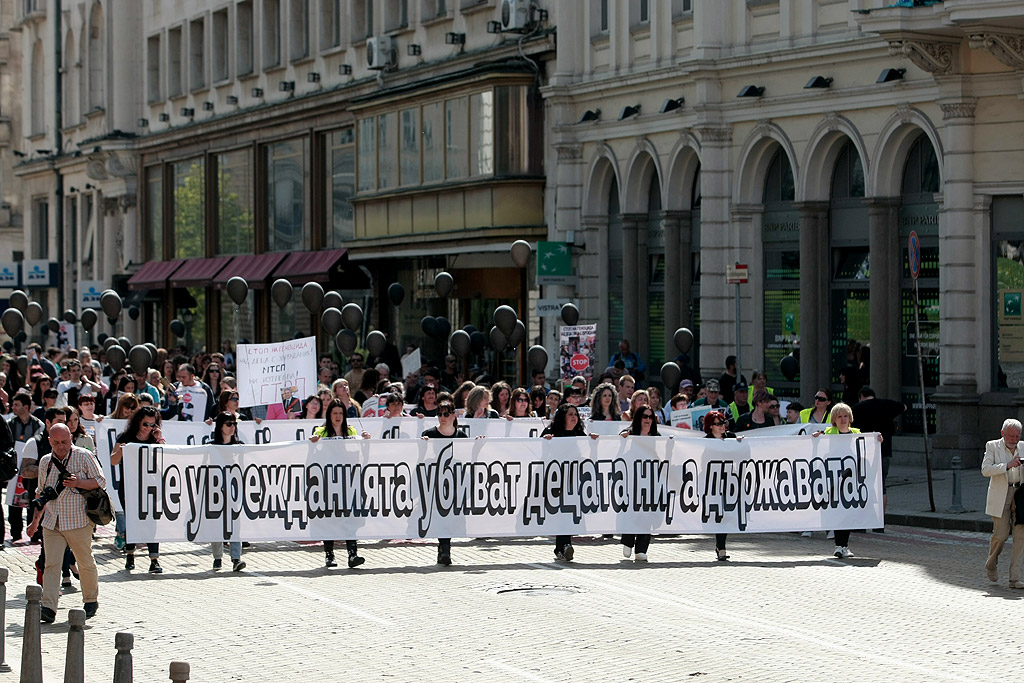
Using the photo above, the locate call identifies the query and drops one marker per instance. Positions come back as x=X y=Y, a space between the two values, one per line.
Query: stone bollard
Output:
x=3 y=620
x=179 y=672
x=957 y=464
x=74 y=661
x=123 y=641
x=31 y=648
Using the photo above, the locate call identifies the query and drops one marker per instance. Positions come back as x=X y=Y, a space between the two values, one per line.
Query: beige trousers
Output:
x=1000 y=532
x=80 y=541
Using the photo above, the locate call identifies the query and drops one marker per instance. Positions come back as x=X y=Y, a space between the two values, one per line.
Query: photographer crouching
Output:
x=63 y=516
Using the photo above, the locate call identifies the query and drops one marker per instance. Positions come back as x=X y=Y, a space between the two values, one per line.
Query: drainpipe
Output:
x=59 y=148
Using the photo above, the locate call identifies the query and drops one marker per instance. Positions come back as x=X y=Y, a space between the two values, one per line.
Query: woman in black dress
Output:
x=716 y=426
x=566 y=422
x=447 y=428
x=644 y=424
x=143 y=427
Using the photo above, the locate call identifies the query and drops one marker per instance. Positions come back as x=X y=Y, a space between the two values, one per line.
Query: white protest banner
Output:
x=65 y=336
x=264 y=370
x=576 y=351
x=365 y=489
x=798 y=429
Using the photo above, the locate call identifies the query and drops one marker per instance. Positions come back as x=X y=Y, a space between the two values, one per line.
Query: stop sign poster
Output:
x=576 y=351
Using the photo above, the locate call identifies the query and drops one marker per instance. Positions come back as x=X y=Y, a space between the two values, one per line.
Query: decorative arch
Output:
x=684 y=161
x=823 y=149
x=756 y=156
x=643 y=166
x=603 y=170
x=894 y=142
x=96 y=62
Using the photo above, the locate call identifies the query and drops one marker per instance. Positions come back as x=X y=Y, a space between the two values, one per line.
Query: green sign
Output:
x=554 y=264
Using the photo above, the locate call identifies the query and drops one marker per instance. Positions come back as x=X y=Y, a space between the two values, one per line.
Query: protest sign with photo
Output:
x=577 y=354
x=264 y=370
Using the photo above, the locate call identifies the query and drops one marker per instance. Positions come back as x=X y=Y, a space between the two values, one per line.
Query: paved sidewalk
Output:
x=909 y=506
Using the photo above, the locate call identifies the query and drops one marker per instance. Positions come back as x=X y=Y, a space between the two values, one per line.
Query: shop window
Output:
x=189 y=208
x=234 y=203
x=455 y=115
x=1008 y=294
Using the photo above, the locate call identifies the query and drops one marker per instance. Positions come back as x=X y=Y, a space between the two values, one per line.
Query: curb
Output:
x=944 y=523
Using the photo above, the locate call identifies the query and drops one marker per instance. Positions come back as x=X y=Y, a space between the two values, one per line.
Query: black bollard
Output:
x=123 y=641
x=3 y=620
x=31 y=648
x=179 y=672
x=74 y=661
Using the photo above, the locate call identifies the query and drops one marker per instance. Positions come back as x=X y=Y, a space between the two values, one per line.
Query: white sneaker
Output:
x=806 y=534
x=830 y=534
x=626 y=551
x=842 y=551
x=641 y=557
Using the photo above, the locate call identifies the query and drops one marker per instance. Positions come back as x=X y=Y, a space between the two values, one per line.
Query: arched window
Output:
x=655 y=352
x=780 y=236
x=70 y=82
x=96 y=57
x=848 y=178
x=38 y=90
x=778 y=184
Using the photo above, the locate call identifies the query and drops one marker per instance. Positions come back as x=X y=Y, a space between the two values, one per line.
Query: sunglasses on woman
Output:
x=229 y=423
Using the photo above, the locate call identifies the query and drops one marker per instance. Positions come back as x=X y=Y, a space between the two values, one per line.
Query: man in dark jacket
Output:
x=874 y=414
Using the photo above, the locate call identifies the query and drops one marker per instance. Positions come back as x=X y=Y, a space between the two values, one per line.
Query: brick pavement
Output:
x=910 y=607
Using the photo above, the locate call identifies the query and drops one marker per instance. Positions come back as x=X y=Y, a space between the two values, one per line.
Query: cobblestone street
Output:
x=909 y=607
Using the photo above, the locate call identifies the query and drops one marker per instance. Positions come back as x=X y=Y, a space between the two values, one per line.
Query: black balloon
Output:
x=352 y=316
x=683 y=339
x=570 y=314
x=331 y=319
x=89 y=319
x=469 y=329
x=13 y=321
x=69 y=317
x=790 y=367
x=8 y=346
x=102 y=338
x=396 y=293
x=313 y=297
x=498 y=340
x=460 y=343
x=53 y=325
x=125 y=343
x=238 y=289
x=538 y=358
x=505 y=319
x=333 y=300
x=670 y=376
x=375 y=343
x=429 y=326
x=116 y=357
x=443 y=284
x=140 y=358
x=444 y=328
x=518 y=335
x=110 y=302
x=133 y=312
x=33 y=313
x=177 y=328
x=22 y=363
x=346 y=341
x=281 y=292
x=18 y=300
x=152 y=349
x=477 y=341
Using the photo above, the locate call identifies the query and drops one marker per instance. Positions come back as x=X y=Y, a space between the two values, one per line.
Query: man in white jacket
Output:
x=1002 y=466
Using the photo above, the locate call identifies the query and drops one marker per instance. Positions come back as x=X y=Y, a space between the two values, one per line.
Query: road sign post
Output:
x=737 y=275
x=914 y=256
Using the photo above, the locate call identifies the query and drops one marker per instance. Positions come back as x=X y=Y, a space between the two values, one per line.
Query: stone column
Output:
x=592 y=271
x=716 y=303
x=815 y=288
x=956 y=398
x=677 y=280
x=631 y=224
x=886 y=336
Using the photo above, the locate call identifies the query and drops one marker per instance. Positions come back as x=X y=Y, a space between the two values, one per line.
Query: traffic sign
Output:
x=736 y=274
x=579 y=362
x=914 y=252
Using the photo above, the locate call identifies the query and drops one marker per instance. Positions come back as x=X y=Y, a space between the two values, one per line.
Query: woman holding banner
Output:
x=716 y=427
x=225 y=433
x=566 y=422
x=842 y=418
x=604 y=406
x=143 y=427
x=521 y=403
x=336 y=426
x=447 y=428
x=644 y=423
x=312 y=409
x=477 y=403
x=427 y=405
x=501 y=398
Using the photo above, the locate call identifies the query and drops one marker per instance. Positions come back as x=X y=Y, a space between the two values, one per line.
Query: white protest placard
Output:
x=442 y=488
x=690 y=418
x=411 y=362
x=263 y=370
x=65 y=336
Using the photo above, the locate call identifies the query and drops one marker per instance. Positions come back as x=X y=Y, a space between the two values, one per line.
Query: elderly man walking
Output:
x=65 y=522
x=1002 y=466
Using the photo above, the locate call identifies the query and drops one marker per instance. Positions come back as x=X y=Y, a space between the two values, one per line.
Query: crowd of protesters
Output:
x=77 y=389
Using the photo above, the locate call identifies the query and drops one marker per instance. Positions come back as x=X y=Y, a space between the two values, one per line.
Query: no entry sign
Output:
x=914 y=253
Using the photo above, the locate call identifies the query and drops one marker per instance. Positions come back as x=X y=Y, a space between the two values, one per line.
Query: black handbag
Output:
x=97 y=502
x=8 y=466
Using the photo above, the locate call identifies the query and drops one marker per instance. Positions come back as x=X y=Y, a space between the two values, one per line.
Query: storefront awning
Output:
x=255 y=268
x=300 y=267
x=198 y=272
x=154 y=274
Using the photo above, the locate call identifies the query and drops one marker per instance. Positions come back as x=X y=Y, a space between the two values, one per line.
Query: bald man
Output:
x=64 y=520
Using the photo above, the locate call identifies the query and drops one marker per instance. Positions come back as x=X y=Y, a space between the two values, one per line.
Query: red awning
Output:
x=300 y=267
x=198 y=272
x=255 y=268
x=154 y=274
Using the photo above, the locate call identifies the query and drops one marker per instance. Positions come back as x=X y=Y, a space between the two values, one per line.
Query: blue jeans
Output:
x=234 y=550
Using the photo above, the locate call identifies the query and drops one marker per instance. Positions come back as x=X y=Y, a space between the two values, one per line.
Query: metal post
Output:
x=74 y=661
x=123 y=641
x=31 y=648
x=924 y=402
x=179 y=672
x=739 y=346
x=3 y=620
x=957 y=465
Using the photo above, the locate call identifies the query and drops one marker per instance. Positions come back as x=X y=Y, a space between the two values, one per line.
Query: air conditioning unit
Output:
x=380 y=52
x=515 y=15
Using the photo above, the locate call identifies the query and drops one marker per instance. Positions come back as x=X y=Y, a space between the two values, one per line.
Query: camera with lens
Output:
x=49 y=493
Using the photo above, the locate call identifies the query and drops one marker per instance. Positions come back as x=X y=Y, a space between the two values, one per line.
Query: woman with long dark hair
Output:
x=501 y=398
x=225 y=433
x=716 y=426
x=645 y=423
x=603 y=405
x=538 y=404
x=819 y=413
x=447 y=428
x=336 y=426
x=143 y=427
x=566 y=422
x=521 y=403
x=312 y=409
